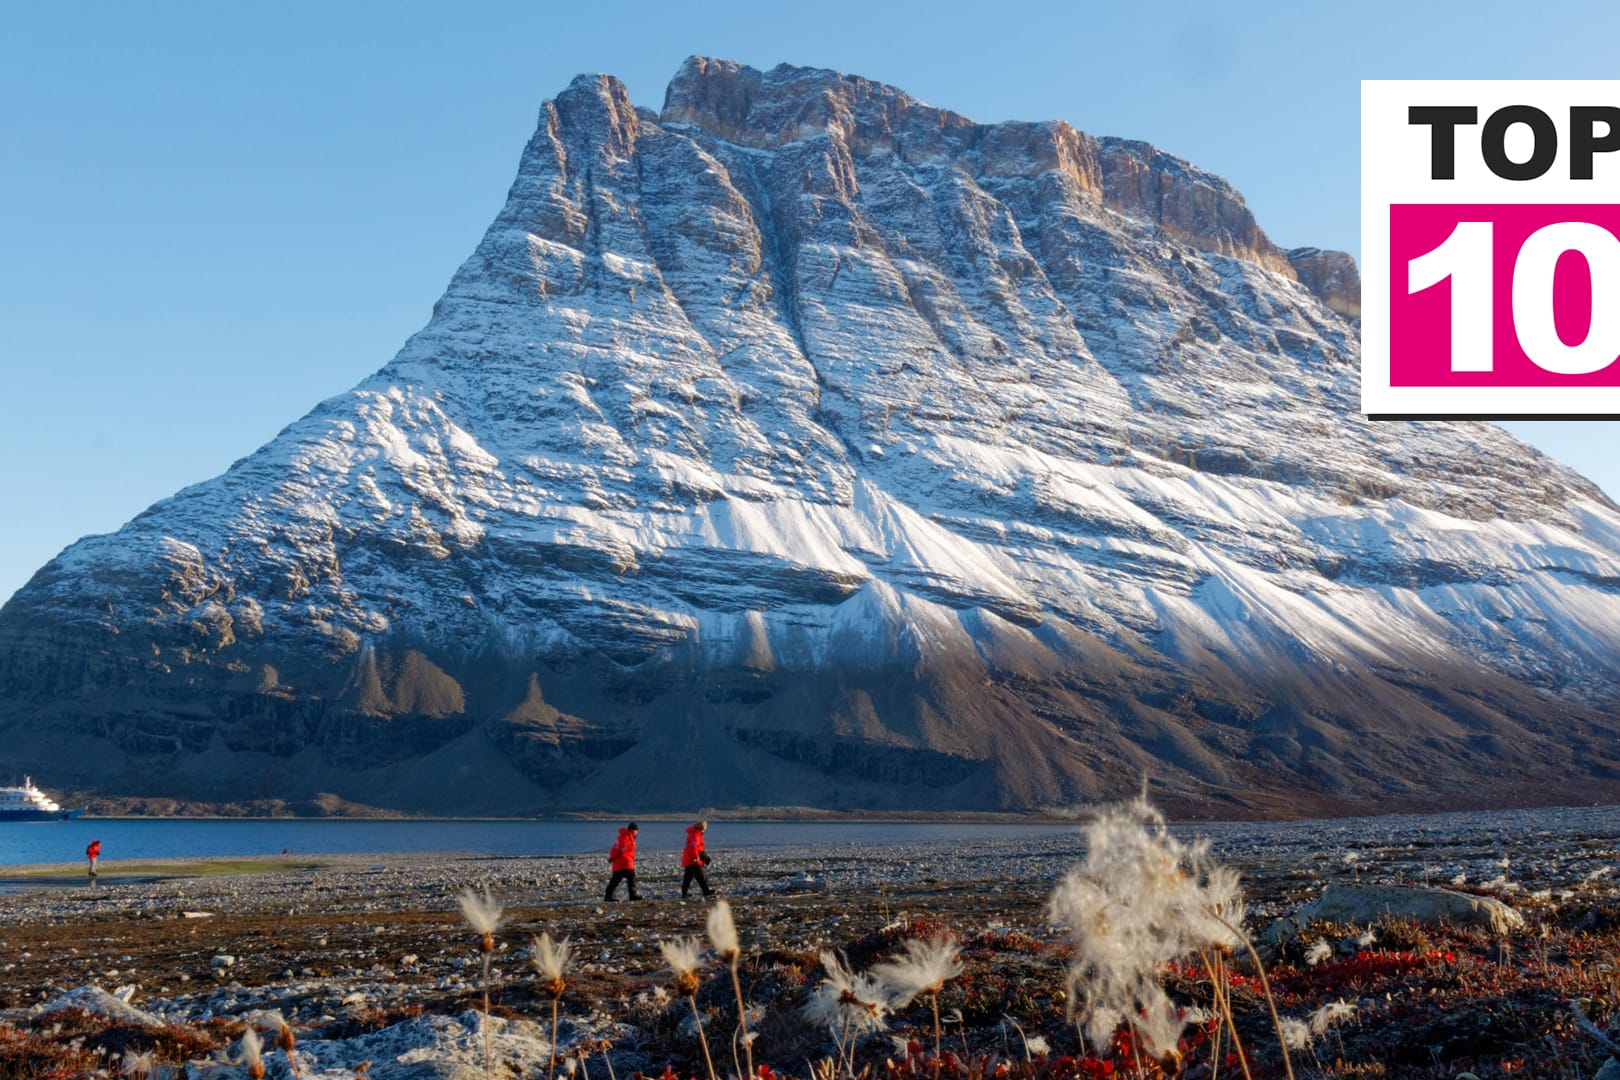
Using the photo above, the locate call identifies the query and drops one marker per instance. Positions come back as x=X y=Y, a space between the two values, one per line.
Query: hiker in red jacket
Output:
x=622 y=858
x=93 y=852
x=694 y=858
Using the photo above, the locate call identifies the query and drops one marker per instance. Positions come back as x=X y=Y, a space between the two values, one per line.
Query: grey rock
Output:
x=1368 y=904
x=93 y=999
x=1332 y=276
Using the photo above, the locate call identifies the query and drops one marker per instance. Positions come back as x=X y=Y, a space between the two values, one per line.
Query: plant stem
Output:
x=703 y=1040
x=1219 y=1001
x=553 y=1071
x=1265 y=985
x=742 y=1021
x=934 y=1000
x=1223 y=1011
x=488 y=1069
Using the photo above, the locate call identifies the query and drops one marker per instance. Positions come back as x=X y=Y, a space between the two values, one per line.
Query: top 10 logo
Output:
x=1490 y=233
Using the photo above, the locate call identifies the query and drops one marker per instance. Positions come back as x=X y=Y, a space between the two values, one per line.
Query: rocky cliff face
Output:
x=805 y=444
x=1332 y=276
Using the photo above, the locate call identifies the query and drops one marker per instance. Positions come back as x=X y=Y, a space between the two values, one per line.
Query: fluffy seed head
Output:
x=252 y=1054
x=846 y=1001
x=922 y=968
x=1296 y=1034
x=723 y=933
x=1330 y=1015
x=1141 y=899
x=683 y=955
x=272 y=1020
x=482 y=914
x=139 y=1064
x=551 y=959
x=266 y=1019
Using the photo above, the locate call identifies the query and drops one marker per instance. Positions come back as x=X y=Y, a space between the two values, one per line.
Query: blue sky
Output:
x=213 y=216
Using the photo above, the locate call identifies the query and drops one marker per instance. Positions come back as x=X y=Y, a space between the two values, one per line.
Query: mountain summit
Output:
x=804 y=444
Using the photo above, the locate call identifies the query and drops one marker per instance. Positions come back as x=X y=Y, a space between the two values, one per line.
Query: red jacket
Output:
x=692 y=854
x=94 y=850
x=622 y=856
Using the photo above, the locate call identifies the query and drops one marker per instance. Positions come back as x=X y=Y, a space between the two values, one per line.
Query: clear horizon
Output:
x=215 y=219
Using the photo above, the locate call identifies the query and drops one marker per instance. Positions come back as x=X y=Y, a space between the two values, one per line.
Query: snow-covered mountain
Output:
x=805 y=444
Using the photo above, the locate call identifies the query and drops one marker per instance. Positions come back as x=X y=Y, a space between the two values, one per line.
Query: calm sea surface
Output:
x=1591 y=832
x=156 y=838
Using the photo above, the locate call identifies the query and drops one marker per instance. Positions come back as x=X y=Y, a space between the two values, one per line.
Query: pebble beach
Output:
x=367 y=958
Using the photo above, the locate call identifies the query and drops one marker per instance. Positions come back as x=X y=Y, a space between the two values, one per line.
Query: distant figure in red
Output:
x=694 y=858
x=93 y=852
x=622 y=858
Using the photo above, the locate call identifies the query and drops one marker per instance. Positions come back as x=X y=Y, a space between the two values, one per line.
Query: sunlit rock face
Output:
x=804 y=444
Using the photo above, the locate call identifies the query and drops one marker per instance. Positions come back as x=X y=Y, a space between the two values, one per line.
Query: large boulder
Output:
x=1367 y=904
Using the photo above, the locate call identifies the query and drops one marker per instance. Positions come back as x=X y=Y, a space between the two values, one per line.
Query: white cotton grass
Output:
x=922 y=968
x=253 y=1054
x=723 y=933
x=1140 y=900
x=551 y=959
x=137 y=1065
x=284 y=1039
x=1296 y=1034
x=848 y=1003
x=270 y=1019
x=723 y=936
x=482 y=913
x=1331 y=1015
x=1302 y=1034
x=684 y=956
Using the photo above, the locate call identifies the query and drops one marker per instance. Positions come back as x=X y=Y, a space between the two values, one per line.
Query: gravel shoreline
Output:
x=367 y=956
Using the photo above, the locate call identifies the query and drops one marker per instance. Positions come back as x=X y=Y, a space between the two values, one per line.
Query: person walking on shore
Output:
x=694 y=858
x=93 y=852
x=622 y=859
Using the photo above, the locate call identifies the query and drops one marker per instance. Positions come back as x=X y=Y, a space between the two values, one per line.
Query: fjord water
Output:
x=1420 y=843
x=168 y=838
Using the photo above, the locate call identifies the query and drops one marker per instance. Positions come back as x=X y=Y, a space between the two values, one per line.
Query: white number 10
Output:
x=1466 y=257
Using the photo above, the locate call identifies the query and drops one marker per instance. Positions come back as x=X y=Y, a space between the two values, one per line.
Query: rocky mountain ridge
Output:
x=805 y=444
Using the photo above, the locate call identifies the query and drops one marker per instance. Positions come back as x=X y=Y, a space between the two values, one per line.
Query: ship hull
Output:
x=38 y=815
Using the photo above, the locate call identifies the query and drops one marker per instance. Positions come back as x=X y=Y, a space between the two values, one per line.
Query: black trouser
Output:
x=695 y=873
x=627 y=876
